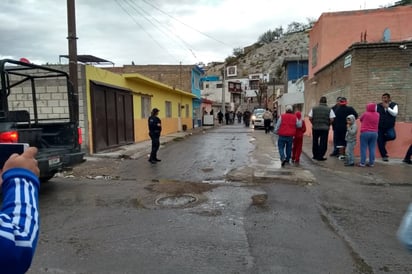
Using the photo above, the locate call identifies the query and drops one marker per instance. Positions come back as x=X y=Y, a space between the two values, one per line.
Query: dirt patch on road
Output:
x=95 y=167
x=179 y=187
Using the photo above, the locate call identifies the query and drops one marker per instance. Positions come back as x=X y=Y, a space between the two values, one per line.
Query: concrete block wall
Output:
x=52 y=100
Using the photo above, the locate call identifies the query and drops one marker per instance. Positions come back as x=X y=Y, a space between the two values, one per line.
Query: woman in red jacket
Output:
x=286 y=129
x=298 y=140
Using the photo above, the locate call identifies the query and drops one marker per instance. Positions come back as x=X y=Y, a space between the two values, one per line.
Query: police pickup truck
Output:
x=38 y=106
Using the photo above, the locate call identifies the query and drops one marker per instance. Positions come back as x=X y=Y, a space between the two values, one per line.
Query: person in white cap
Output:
x=286 y=129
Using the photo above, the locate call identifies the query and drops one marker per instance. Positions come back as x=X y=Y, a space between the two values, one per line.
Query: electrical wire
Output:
x=137 y=23
x=177 y=20
x=146 y=16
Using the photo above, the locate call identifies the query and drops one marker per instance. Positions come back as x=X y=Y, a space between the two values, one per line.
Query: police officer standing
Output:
x=155 y=128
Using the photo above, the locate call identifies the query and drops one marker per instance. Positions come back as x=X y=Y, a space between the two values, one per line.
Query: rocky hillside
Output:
x=266 y=58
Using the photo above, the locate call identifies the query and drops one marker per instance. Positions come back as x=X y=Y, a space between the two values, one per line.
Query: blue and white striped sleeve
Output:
x=19 y=220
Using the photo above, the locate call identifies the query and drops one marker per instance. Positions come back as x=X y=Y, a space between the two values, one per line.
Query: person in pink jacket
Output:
x=368 y=134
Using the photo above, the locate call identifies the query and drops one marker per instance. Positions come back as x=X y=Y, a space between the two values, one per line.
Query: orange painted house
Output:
x=334 y=32
x=361 y=55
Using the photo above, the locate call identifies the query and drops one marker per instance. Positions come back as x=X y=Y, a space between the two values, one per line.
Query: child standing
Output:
x=298 y=139
x=350 y=138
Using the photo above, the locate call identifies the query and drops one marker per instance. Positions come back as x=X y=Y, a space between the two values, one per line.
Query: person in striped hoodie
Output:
x=19 y=215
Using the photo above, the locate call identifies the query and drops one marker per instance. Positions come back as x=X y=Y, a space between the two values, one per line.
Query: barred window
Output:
x=168 y=108
x=146 y=104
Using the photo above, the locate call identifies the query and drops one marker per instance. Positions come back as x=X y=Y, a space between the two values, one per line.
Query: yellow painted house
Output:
x=117 y=107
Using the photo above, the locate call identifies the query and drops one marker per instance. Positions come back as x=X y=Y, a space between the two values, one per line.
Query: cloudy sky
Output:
x=152 y=31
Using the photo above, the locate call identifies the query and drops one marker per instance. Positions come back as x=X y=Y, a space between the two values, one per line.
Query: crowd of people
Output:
x=377 y=127
x=231 y=116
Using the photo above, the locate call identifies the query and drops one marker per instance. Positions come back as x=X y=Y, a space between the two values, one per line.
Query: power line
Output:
x=146 y=16
x=205 y=34
x=137 y=23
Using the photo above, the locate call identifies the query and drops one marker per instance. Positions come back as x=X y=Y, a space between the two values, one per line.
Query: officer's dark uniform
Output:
x=155 y=128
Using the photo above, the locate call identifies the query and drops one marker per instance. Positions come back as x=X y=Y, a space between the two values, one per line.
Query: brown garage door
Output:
x=112 y=116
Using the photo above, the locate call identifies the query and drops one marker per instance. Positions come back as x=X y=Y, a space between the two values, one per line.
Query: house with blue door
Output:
x=196 y=76
x=296 y=71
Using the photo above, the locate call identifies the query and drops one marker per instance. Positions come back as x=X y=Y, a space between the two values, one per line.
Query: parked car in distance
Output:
x=257 y=118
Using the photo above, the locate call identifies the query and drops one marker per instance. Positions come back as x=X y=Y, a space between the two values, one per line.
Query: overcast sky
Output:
x=152 y=31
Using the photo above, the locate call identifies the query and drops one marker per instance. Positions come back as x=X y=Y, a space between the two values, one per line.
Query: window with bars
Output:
x=146 y=104
x=168 y=107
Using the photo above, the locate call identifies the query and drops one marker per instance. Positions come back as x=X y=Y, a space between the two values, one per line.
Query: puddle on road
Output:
x=176 y=201
x=222 y=182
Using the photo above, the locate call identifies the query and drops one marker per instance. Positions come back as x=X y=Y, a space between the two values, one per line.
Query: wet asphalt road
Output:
x=115 y=226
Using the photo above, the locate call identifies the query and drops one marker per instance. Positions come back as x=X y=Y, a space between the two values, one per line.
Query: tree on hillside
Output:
x=270 y=36
x=267 y=37
x=237 y=52
x=295 y=27
x=262 y=93
x=230 y=60
x=311 y=22
x=403 y=3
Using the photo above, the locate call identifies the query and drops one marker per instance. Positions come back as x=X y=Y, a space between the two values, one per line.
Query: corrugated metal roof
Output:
x=89 y=59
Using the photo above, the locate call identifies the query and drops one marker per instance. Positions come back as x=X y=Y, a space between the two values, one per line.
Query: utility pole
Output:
x=223 y=91
x=72 y=41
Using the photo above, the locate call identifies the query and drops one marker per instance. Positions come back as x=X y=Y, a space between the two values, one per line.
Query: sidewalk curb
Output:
x=139 y=149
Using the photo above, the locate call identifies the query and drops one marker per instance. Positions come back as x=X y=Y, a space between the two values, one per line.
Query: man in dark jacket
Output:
x=335 y=151
x=388 y=111
x=155 y=128
x=321 y=118
x=246 y=117
x=339 y=124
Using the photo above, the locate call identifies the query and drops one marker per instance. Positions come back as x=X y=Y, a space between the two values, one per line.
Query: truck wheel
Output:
x=46 y=178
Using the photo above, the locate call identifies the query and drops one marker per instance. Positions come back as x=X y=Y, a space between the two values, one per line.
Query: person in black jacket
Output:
x=335 y=151
x=155 y=128
x=407 y=158
x=388 y=111
x=339 y=125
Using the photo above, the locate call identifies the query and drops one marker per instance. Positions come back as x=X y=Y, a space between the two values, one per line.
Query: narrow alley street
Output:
x=219 y=202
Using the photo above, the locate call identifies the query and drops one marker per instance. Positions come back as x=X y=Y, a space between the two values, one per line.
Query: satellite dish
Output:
x=386 y=35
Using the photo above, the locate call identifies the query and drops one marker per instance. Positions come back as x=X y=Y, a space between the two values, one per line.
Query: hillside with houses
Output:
x=266 y=57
